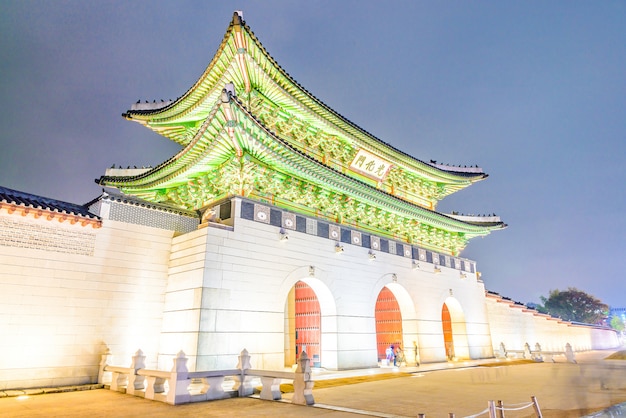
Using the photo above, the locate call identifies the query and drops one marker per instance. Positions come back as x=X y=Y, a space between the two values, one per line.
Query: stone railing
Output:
x=538 y=354
x=180 y=386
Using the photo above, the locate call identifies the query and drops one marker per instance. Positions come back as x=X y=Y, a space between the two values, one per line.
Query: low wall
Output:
x=514 y=325
x=177 y=386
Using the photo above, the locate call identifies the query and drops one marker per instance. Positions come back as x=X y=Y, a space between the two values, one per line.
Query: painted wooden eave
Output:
x=171 y=120
x=278 y=152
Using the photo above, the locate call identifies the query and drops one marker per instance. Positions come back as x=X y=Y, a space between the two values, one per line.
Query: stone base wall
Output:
x=228 y=289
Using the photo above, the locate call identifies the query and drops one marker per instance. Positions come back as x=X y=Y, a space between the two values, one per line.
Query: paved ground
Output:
x=562 y=389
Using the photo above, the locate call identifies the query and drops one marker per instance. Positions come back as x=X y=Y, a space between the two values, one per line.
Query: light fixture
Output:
x=284 y=236
x=371 y=255
x=463 y=275
x=394 y=277
x=415 y=265
x=437 y=270
x=338 y=248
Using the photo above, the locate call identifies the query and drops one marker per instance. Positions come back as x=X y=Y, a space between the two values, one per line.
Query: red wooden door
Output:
x=448 y=339
x=388 y=322
x=308 y=323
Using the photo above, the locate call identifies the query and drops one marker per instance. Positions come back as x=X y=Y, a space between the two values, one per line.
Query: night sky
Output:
x=534 y=92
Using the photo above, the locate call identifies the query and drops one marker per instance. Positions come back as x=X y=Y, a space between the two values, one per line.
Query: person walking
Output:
x=390 y=355
x=398 y=358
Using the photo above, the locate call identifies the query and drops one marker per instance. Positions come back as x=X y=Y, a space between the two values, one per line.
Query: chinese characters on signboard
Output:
x=370 y=165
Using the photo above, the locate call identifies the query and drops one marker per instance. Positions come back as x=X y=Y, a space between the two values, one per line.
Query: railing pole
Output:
x=536 y=406
x=492 y=409
x=500 y=409
x=421 y=415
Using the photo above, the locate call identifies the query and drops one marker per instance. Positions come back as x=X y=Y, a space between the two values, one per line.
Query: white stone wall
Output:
x=237 y=298
x=60 y=309
x=67 y=295
x=515 y=326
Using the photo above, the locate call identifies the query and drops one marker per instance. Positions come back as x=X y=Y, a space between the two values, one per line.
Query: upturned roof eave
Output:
x=322 y=110
x=335 y=118
x=146 y=116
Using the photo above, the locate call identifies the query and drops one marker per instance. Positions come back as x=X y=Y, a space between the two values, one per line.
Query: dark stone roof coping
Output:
x=39 y=202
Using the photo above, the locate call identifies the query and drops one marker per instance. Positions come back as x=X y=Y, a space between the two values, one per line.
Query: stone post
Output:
x=136 y=382
x=104 y=361
x=302 y=382
x=179 y=382
x=537 y=355
x=527 y=351
x=569 y=353
x=502 y=351
x=243 y=384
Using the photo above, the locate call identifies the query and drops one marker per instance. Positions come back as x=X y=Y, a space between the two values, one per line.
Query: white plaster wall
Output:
x=59 y=311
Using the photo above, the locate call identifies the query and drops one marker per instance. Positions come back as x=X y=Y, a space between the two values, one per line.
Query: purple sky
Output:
x=534 y=92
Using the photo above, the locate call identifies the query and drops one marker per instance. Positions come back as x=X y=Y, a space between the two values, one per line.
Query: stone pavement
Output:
x=463 y=388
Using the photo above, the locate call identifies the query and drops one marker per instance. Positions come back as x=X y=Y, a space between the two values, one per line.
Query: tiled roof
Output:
x=293 y=88
x=30 y=200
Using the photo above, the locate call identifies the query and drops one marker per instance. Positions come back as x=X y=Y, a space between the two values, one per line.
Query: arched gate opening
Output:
x=448 y=337
x=388 y=322
x=454 y=330
x=304 y=324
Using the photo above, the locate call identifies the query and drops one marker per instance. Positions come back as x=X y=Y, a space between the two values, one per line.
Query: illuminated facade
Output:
x=258 y=147
x=279 y=227
x=248 y=129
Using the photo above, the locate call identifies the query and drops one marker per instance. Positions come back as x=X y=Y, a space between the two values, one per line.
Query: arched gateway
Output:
x=304 y=333
x=454 y=330
x=281 y=180
x=388 y=322
x=448 y=337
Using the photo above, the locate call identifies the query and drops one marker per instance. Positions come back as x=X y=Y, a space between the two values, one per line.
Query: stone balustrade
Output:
x=180 y=386
x=538 y=353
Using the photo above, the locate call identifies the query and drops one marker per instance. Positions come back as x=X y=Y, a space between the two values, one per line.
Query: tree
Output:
x=575 y=305
x=617 y=323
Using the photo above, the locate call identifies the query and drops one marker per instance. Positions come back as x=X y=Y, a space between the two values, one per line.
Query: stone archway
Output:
x=316 y=300
x=400 y=310
x=448 y=336
x=454 y=330
x=304 y=325
x=388 y=322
